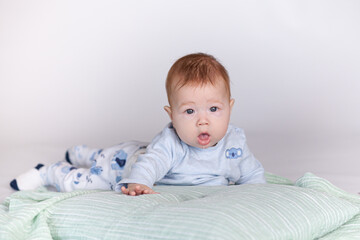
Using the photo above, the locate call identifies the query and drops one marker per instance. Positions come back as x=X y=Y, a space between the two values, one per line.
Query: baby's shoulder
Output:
x=169 y=134
x=166 y=138
x=235 y=136
x=235 y=132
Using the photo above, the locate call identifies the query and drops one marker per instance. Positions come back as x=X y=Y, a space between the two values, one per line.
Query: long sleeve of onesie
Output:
x=250 y=168
x=156 y=162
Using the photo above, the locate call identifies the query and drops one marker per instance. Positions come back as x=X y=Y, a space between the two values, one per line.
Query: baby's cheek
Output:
x=186 y=134
x=185 y=130
x=221 y=129
x=223 y=114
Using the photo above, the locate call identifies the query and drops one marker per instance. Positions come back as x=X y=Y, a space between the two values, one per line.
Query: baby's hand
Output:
x=135 y=189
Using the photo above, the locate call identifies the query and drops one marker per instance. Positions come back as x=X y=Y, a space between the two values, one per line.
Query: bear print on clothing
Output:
x=233 y=153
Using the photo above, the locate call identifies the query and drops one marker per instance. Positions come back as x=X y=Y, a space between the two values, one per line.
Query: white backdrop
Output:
x=87 y=71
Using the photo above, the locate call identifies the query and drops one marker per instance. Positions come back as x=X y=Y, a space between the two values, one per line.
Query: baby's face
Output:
x=200 y=115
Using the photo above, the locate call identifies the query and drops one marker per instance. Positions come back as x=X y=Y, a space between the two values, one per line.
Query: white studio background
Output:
x=76 y=71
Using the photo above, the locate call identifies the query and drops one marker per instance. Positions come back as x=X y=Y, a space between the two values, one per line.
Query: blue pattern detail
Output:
x=78 y=176
x=119 y=160
x=95 y=154
x=66 y=169
x=57 y=164
x=118 y=179
x=96 y=170
x=78 y=151
x=233 y=153
x=92 y=157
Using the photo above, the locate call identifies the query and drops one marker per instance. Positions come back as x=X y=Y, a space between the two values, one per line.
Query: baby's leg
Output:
x=65 y=177
x=82 y=156
x=103 y=169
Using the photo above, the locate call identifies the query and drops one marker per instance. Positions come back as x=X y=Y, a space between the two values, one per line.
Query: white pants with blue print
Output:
x=87 y=168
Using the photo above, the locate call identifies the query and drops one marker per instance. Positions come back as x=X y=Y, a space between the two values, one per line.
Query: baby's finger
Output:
x=138 y=190
x=124 y=190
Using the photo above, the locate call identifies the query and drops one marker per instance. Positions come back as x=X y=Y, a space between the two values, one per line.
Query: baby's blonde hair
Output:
x=195 y=69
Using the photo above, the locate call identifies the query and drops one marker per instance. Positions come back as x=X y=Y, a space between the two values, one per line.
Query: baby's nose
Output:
x=203 y=120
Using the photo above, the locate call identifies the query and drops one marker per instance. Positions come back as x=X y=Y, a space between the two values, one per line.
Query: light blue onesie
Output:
x=166 y=160
x=170 y=161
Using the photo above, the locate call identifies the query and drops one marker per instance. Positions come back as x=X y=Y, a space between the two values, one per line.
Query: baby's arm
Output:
x=151 y=166
x=135 y=189
x=251 y=169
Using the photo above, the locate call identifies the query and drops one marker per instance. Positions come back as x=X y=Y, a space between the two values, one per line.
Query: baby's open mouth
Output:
x=204 y=139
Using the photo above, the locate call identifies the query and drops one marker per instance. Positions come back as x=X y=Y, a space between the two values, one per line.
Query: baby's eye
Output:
x=189 y=111
x=213 y=109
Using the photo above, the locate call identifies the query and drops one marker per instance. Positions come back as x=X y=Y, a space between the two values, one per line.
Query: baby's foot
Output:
x=29 y=180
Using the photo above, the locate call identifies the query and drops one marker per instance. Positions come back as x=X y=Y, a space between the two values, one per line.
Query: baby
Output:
x=198 y=147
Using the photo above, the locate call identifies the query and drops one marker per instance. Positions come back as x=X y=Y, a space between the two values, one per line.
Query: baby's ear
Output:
x=232 y=101
x=168 y=110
